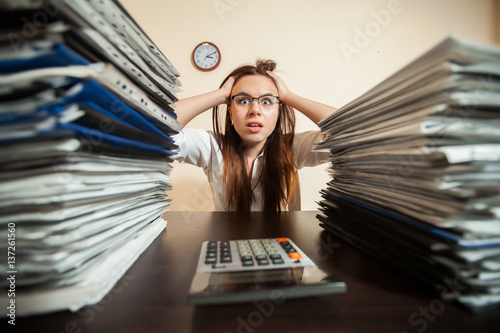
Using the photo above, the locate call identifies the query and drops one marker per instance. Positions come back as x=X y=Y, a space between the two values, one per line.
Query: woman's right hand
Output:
x=191 y=107
x=226 y=88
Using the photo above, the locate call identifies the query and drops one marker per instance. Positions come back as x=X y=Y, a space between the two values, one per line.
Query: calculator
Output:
x=236 y=271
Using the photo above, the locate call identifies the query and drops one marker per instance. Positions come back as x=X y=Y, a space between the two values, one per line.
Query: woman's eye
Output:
x=243 y=101
x=266 y=101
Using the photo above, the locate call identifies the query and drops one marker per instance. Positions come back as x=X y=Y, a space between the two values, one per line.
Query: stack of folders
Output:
x=86 y=125
x=415 y=167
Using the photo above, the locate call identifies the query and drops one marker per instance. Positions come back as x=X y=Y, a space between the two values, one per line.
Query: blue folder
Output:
x=58 y=55
x=32 y=130
x=97 y=97
x=440 y=232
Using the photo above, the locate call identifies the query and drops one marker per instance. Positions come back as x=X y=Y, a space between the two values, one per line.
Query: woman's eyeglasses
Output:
x=265 y=101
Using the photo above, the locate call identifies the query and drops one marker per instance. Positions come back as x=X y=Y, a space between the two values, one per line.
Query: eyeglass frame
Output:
x=253 y=98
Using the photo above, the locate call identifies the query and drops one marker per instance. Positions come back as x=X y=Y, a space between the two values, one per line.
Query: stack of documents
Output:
x=415 y=166
x=86 y=125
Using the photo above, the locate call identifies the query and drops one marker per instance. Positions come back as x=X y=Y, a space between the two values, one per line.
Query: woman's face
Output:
x=254 y=122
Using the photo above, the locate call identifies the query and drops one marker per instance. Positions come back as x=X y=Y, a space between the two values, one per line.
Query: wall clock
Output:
x=206 y=56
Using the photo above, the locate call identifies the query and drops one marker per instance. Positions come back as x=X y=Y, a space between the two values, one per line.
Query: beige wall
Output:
x=327 y=50
x=496 y=21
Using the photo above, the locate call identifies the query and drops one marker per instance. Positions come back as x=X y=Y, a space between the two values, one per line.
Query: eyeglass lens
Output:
x=265 y=101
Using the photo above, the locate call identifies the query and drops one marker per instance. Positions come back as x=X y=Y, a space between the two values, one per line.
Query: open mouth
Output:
x=254 y=126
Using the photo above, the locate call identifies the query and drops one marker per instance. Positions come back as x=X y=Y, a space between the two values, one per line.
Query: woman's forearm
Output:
x=313 y=110
x=188 y=108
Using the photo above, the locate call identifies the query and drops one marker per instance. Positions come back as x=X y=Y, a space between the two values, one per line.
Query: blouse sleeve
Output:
x=195 y=146
x=303 y=149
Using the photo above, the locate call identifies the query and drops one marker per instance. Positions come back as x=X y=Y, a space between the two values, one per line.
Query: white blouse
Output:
x=199 y=147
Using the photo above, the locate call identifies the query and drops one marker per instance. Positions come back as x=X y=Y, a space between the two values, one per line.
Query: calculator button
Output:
x=247 y=263
x=210 y=261
x=295 y=255
x=263 y=262
x=246 y=257
x=278 y=261
x=226 y=260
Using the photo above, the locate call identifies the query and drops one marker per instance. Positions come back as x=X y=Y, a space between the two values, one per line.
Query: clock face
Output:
x=206 y=56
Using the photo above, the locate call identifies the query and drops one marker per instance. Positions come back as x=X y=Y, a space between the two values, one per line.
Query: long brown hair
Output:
x=279 y=179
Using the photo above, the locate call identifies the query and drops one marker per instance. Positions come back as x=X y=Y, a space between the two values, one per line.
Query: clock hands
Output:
x=210 y=55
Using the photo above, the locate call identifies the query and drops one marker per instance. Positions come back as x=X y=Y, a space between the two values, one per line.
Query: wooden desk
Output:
x=152 y=295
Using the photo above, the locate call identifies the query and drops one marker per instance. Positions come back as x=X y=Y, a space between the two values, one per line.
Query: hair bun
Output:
x=265 y=65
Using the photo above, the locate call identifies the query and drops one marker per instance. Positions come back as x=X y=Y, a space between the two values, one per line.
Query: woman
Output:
x=252 y=156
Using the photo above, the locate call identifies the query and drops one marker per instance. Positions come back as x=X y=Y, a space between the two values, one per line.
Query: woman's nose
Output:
x=255 y=108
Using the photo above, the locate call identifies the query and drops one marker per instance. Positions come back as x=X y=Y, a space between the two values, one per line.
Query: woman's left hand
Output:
x=283 y=90
x=311 y=109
